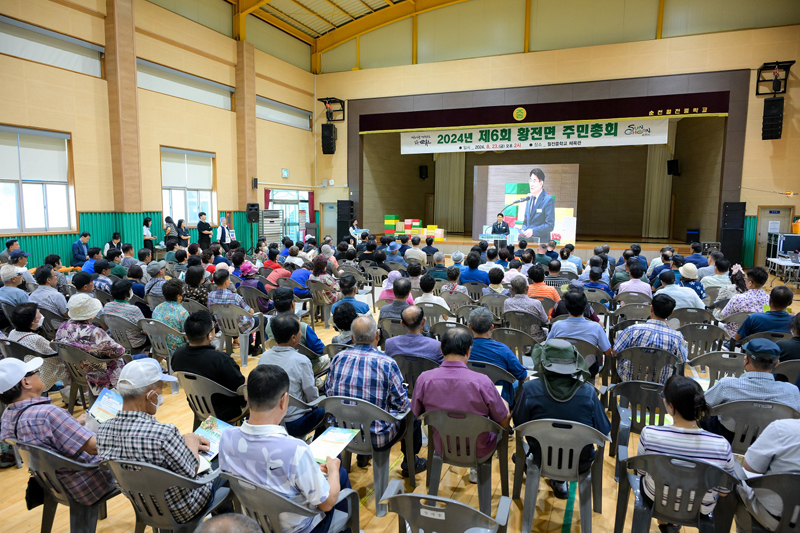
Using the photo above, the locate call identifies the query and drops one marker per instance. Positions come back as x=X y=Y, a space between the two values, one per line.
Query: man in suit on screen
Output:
x=540 y=210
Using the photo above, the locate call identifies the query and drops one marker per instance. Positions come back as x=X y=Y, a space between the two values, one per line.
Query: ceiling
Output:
x=318 y=17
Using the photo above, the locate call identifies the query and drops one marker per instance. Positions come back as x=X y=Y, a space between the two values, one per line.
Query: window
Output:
x=182 y=85
x=34 y=181
x=26 y=41
x=282 y=113
x=187 y=180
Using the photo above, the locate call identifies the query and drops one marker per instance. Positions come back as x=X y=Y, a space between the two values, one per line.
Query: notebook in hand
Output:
x=331 y=443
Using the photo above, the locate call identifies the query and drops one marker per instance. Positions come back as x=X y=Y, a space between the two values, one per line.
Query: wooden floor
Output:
x=552 y=515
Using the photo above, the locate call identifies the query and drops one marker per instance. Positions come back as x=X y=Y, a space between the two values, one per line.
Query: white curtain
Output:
x=658 y=189
x=449 y=192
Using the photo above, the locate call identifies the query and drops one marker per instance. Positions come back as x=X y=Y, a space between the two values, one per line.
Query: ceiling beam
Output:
x=320 y=17
x=378 y=19
x=367 y=6
x=291 y=18
x=284 y=26
x=340 y=9
x=248 y=6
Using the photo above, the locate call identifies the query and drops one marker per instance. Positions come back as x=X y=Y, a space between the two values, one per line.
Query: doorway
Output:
x=771 y=219
x=294 y=208
x=327 y=218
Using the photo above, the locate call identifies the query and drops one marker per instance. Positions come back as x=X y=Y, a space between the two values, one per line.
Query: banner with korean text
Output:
x=538 y=136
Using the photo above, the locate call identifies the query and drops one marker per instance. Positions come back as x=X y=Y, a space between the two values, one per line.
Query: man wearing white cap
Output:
x=32 y=419
x=135 y=435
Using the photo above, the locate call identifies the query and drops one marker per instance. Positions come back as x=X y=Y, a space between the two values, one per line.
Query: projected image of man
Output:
x=540 y=210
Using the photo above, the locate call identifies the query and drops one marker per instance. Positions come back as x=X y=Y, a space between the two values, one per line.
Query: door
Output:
x=771 y=219
x=327 y=219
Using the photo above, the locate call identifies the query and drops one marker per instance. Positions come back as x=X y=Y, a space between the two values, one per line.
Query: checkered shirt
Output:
x=138 y=436
x=651 y=334
x=224 y=296
x=368 y=374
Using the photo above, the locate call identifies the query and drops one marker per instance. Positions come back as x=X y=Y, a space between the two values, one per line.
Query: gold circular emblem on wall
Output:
x=520 y=114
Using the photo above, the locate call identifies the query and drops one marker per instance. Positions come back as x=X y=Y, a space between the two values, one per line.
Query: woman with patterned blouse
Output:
x=27 y=320
x=321 y=275
x=79 y=332
x=172 y=313
x=453 y=275
x=193 y=287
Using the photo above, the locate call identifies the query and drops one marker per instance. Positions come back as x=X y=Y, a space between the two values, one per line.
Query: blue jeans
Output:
x=344 y=483
x=305 y=424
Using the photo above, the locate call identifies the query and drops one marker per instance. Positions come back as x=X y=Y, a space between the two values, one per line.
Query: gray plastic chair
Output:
x=691 y=315
x=422 y=513
x=251 y=296
x=144 y=485
x=193 y=306
x=376 y=275
x=228 y=320
x=602 y=312
x=788 y=369
x=103 y=296
x=647 y=363
x=522 y=320
x=416 y=293
x=519 y=342
x=396 y=266
x=671 y=474
x=463 y=312
x=547 y=303
x=586 y=349
x=265 y=506
x=118 y=328
x=382 y=302
x=199 y=391
x=558 y=318
x=438 y=329
x=353 y=413
x=318 y=302
x=456 y=299
x=495 y=303
x=235 y=280
x=785 y=486
x=561 y=444
x=391 y=327
x=135 y=300
x=720 y=364
x=43 y=465
x=16 y=350
x=736 y=318
x=70 y=290
x=434 y=312
x=333 y=348
x=292 y=284
x=8 y=310
x=751 y=418
x=51 y=323
x=157 y=333
x=614 y=330
x=774 y=336
x=597 y=295
x=629 y=312
x=632 y=298
x=712 y=293
x=411 y=366
x=703 y=338
x=154 y=300
x=459 y=432
x=636 y=404
x=72 y=358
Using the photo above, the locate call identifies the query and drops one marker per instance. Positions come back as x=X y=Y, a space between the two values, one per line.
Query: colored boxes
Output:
x=513 y=192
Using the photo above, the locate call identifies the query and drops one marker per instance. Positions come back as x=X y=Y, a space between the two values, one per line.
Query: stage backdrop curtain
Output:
x=658 y=189
x=449 y=192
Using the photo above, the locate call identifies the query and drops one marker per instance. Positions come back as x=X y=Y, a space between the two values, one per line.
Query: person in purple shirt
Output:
x=414 y=342
x=486 y=350
x=696 y=256
x=453 y=386
x=472 y=273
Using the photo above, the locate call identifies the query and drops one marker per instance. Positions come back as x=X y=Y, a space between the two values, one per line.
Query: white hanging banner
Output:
x=537 y=136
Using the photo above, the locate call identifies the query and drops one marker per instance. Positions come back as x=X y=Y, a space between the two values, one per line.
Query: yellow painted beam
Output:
x=660 y=22
x=378 y=19
x=358 y=53
x=320 y=17
x=340 y=9
x=414 y=40
x=239 y=26
x=284 y=26
x=527 y=40
x=248 y=6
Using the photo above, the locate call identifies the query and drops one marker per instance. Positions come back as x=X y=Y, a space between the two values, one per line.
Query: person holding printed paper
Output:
x=539 y=210
x=261 y=451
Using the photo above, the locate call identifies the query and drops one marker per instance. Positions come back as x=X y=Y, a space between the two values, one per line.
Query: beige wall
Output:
x=698 y=148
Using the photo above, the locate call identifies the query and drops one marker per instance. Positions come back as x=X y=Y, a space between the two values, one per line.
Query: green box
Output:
x=391 y=217
x=511 y=211
x=518 y=188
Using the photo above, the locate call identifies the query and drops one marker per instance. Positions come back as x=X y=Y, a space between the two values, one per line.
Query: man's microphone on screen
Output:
x=525 y=199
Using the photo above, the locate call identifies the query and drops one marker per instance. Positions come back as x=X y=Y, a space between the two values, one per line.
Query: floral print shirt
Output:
x=96 y=342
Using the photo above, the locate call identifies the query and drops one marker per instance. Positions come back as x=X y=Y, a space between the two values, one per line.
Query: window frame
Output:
x=213 y=212
x=287 y=107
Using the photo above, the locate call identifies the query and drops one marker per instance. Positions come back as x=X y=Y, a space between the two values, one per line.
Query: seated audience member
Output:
x=427 y=284
x=172 y=313
x=79 y=332
x=55 y=261
x=27 y=320
x=216 y=249
x=10 y=293
x=80 y=252
x=720 y=277
x=541 y=256
x=696 y=257
x=180 y=263
x=551 y=251
x=287 y=243
x=514 y=271
x=414 y=342
x=122 y=291
x=713 y=257
x=577 y=327
x=94 y=254
x=561 y=307
x=229 y=523
x=362 y=244
x=238 y=260
x=621 y=272
x=469 y=392
x=675 y=266
x=145 y=258
x=349 y=288
x=438 y=271
x=346 y=378
x=31 y=418
x=491 y=260
x=128 y=259
x=102 y=269
x=271 y=258
x=622 y=263
x=636 y=284
x=496 y=286
x=222 y=295
x=684 y=297
x=248 y=274
x=284 y=305
x=192 y=249
x=199 y=357
x=114 y=258
x=453 y=277
x=194 y=287
x=401 y=290
x=11 y=245
x=486 y=350
x=689 y=279
x=554 y=277
x=523 y=245
x=235 y=247
x=172 y=245
x=566 y=264
x=394 y=255
x=664 y=263
x=414 y=272
x=738 y=284
x=350 y=258
x=19 y=259
x=46 y=296
x=380 y=261
x=302 y=385
x=369 y=253
x=135 y=276
x=574 y=259
x=520 y=301
x=208 y=261
x=157 y=272
x=502 y=258
x=388 y=287
x=757 y=383
x=595 y=277
x=790 y=348
x=135 y=435
x=483 y=247
x=537 y=287
x=776 y=319
x=472 y=273
x=415 y=253
x=301 y=275
x=684 y=402
x=429 y=249
x=83 y=283
x=343 y=317
x=277 y=272
x=775 y=451
x=263 y=452
x=403 y=244
x=595 y=261
x=458 y=260
x=655 y=333
x=562 y=392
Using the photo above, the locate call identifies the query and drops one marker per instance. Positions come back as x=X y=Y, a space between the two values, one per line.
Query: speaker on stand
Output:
x=344 y=217
x=252 y=212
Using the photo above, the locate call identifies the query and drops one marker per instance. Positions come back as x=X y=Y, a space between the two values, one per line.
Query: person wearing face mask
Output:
x=135 y=435
x=27 y=321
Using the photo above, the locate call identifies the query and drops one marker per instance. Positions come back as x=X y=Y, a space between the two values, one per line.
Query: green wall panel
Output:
x=40 y=246
x=749 y=245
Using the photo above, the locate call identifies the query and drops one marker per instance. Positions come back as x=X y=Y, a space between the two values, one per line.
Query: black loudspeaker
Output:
x=328 y=138
x=423 y=172
x=252 y=213
x=255 y=183
x=344 y=211
x=733 y=215
x=772 y=121
x=692 y=235
x=672 y=167
x=342 y=230
x=731 y=244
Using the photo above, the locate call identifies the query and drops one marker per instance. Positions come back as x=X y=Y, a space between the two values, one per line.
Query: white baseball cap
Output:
x=141 y=373
x=13 y=370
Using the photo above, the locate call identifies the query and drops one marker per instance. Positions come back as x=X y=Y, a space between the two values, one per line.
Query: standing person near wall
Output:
x=224 y=234
x=170 y=230
x=204 y=232
x=148 y=237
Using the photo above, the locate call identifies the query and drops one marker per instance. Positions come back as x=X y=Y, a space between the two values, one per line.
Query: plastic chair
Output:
x=736 y=318
x=712 y=293
x=495 y=303
x=547 y=303
x=292 y=284
x=751 y=418
x=459 y=432
x=522 y=320
x=720 y=364
x=154 y=300
x=103 y=296
x=597 y=295
x=199 y=391
x=422 y=513
x=561 y=444
x=647 y=363
x=72 y=358
x=788 y=369
x=433 y=312
x=193 y=306
x=702 y=338
x=333 y=348
x=416 y=293
x=44 y=465
x=392 y=265
x=70 y=290
x=265 y=506
x=391 y=327
x=51 y=323
x=114 y=278
x=144 y=485
x=8 y=310
x=475 y=289
x=627 y=298
x=637 y=404
x=691 y=315
x=463 y=312
x=620 y=326
x=353 y=413
x=300 y=404
x=16 y=350
x=438 y=329
x=382 y=302
x=586 y=349
x=318 y=302
x=235 y=280
x=519 y=342
x=456 y=299
x=670 y=475
x=157 y=333
x=375 y=274
x=630 y=311
x=785 y=486
x=411 y=366
x=602 y=312
x=118 y=329
x=228 y=321
x=774 y=336
x=135 y=300
x=251 y=296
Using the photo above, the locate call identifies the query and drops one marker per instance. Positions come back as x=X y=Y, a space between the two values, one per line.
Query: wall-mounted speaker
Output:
x=328 y=138
x=673 y=169
x=772 y=121
x=423 y=172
